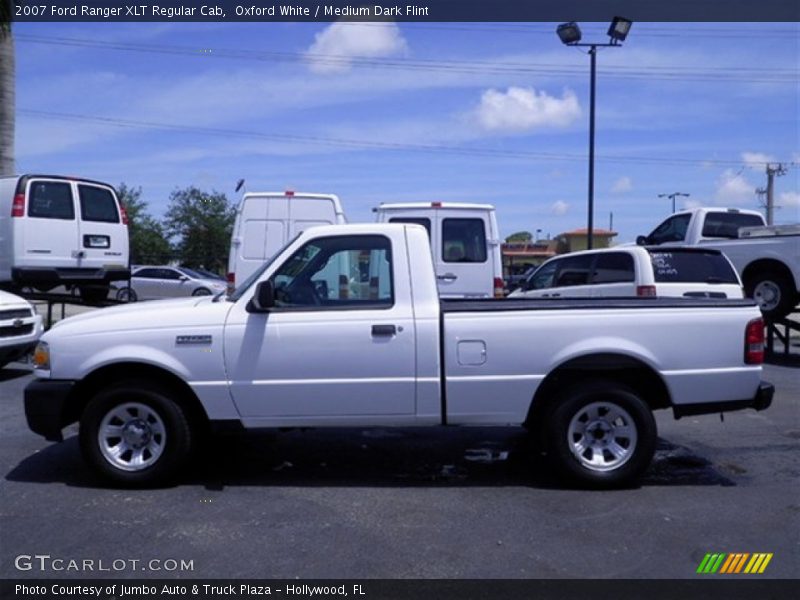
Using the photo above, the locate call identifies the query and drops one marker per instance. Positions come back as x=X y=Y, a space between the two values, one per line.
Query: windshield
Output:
x=242 y=288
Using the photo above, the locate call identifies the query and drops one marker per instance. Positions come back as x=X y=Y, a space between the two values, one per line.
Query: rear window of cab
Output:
x=691 y=267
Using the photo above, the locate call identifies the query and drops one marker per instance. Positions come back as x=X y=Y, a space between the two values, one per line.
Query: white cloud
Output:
x=789 y=200
x=337 y=44
x=733 y=189
x=521 y=109
x=622 y=185
x=559 y=208
x=756 y=160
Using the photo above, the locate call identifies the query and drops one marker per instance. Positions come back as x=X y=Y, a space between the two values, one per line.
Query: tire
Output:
x=154 y=441
x=126 y=294
x=201 y=292
x=601 y=435
x=94 y=293
x=773 y=291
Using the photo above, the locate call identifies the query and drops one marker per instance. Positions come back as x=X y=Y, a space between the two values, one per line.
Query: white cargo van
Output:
x=61 y=231
x=465 y=244
x=265 y=221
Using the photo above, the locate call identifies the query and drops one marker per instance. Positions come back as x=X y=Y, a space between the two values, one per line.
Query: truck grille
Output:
x=15 y=313
x=6 y=332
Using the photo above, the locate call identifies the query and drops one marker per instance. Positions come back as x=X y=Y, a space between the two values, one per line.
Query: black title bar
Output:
x=410 y=10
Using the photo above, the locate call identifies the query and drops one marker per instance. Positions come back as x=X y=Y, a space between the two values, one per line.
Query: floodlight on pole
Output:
x=570 y=35
x=673 y=196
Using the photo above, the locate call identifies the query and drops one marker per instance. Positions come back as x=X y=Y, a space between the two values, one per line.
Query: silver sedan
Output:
x=152 y=282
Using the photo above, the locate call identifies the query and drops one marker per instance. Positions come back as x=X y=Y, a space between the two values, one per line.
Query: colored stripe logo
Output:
x=741 y=562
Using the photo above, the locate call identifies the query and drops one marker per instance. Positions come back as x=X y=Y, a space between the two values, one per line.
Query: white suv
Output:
x=634 y=271
x=20 y=327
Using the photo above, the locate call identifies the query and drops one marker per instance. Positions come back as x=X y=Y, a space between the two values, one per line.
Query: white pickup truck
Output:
x=767 y=258
x=344 y=327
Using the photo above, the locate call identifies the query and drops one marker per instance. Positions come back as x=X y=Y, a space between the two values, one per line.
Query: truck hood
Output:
x=8 y=300
x=159 y=314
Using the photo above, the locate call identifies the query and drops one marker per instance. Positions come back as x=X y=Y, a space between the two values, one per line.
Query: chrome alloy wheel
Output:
x=602 y=436
x=131 y=436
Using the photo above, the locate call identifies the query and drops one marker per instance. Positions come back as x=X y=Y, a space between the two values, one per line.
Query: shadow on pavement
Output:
x=13 y=372
x=418 y=457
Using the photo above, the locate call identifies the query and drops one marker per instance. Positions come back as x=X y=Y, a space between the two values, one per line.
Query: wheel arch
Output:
x=764 y=265
x=85 y=389
x=620 y=368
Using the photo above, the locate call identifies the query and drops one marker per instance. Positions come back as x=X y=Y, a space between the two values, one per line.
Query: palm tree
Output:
x=7 y=91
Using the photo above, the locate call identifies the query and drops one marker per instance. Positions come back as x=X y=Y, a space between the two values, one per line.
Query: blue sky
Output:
x=380 y=112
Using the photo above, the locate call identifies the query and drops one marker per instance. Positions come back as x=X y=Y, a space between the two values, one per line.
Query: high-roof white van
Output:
x=464 y=241
x=266 y=221
x=62 y=231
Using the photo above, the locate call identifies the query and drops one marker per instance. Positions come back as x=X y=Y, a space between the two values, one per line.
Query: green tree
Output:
x=7 y=91
x=520 y=236
x=148 y=242
x=202 y=223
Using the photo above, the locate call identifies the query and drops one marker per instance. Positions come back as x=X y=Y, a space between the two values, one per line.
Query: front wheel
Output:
x=135 y=435
x=601 y=434
x=201 y=292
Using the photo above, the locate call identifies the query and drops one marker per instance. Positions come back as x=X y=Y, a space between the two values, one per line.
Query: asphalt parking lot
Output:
x=410 y=503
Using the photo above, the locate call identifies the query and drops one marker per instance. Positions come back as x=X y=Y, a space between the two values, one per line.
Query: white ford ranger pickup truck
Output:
x=344 y=327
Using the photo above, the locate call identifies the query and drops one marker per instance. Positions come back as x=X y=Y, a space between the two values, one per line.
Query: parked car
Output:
x=153 y=282
x=634 y=271
x=20 y=327
x=266 y=221
x=58 y=231
x=145 y=381
x=464 y=241
x=766 y=258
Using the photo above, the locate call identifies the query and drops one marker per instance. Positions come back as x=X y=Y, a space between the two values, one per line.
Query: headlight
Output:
x=41 y=356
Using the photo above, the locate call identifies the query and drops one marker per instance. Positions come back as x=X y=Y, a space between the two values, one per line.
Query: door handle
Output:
x=556 y=296
x=447 y=277
x=384 y=330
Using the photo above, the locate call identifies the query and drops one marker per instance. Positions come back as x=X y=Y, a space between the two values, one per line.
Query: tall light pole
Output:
x=673 y=196
x=570 y=35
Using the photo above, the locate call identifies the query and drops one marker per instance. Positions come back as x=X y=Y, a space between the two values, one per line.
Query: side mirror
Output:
x=641 y=240
x=183 y=278
x=264 y=298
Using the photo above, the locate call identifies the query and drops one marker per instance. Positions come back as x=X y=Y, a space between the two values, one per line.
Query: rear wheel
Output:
x=601 y=434
x=134 y=434
x=773 y=291
x=201 y=292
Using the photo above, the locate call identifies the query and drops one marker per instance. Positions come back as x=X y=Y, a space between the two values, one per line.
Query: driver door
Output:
x=340 y=341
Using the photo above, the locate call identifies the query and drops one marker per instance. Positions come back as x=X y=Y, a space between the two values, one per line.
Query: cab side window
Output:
x=573 y=270
x=671 y=230
x=337 y=272
x=613 y=267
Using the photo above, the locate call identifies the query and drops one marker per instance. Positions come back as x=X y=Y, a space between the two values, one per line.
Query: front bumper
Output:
x=47 y=407
x=761 y=401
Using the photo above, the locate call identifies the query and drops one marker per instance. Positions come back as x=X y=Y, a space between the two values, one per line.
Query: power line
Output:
x=368 y=144
x=716 y=74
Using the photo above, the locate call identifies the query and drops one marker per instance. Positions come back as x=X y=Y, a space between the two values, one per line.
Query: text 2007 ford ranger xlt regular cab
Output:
x=344 y=327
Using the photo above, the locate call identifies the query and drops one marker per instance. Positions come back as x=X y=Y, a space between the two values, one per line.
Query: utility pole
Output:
x=773 y=171
x=673 y=196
